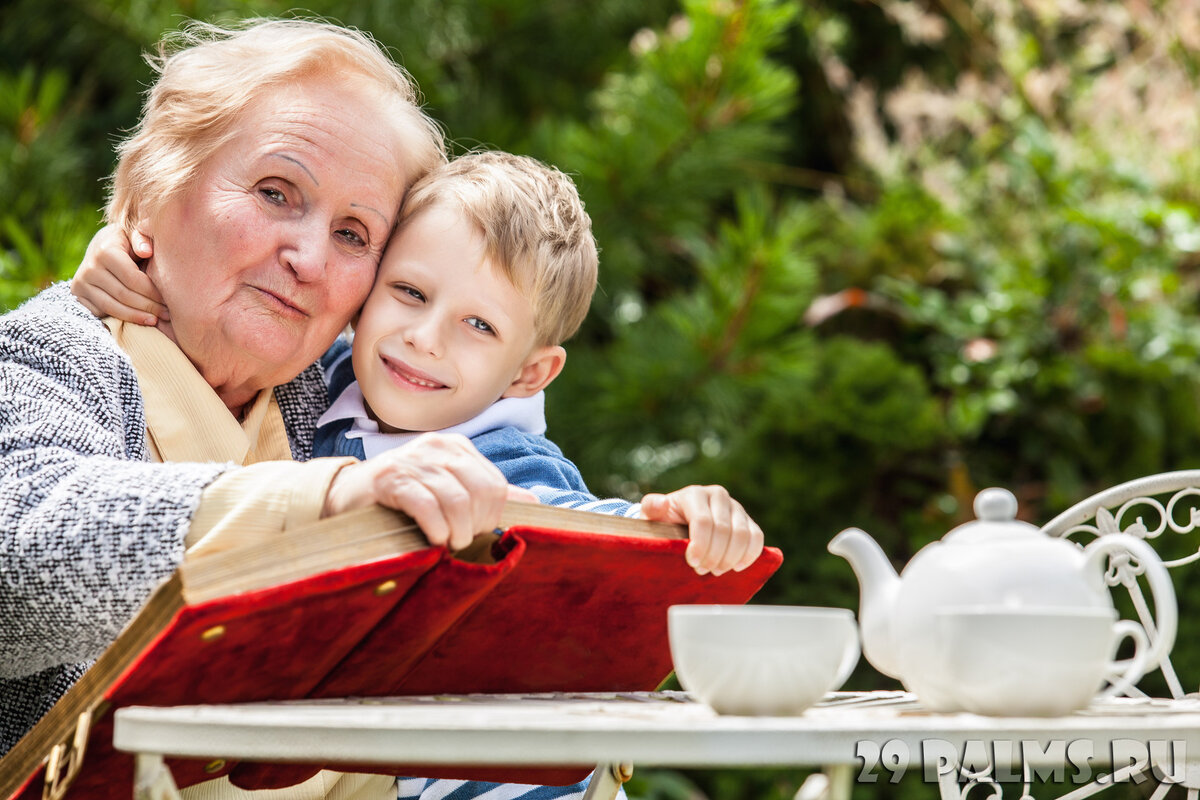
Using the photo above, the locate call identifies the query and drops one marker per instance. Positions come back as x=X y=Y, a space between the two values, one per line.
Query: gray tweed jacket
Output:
x=88 y=527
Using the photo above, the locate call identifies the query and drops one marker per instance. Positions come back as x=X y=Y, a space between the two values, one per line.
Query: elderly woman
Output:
x=267 y=169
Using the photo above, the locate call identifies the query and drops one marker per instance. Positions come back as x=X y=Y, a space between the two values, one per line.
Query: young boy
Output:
x=492 y=266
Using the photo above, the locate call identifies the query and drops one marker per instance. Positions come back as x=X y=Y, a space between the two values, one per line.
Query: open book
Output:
x=360 y=605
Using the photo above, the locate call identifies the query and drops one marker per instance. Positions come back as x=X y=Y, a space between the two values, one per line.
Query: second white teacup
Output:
x=761 y=660
x=1043 y=661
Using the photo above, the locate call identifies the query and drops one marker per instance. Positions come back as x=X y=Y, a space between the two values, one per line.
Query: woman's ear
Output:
x=542 y=366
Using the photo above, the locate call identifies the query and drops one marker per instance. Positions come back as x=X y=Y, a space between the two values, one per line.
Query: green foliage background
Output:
x=859 y=259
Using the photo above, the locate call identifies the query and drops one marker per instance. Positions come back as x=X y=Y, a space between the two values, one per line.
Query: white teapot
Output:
x=993 y=561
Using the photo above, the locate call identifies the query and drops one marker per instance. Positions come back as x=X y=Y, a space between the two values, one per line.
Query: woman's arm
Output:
x=87 y=527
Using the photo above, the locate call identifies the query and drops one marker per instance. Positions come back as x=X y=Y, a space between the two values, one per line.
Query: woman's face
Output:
x=263 y=259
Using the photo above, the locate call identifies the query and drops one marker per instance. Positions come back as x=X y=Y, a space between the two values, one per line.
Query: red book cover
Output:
x=558 y=610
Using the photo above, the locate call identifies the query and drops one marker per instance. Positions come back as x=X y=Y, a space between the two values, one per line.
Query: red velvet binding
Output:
x=584 y=612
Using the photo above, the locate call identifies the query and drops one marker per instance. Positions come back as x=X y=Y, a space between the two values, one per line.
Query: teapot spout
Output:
x=879 y=586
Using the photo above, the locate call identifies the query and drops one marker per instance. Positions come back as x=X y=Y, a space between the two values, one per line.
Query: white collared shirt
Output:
x=527 y=414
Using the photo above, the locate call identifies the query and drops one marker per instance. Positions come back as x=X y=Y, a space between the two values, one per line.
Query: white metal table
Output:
x=851 y=735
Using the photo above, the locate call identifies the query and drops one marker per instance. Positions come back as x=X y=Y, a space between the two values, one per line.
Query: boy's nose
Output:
x=425 y=337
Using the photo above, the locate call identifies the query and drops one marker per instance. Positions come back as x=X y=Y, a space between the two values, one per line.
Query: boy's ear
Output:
x=141 y=241
x=542 y=366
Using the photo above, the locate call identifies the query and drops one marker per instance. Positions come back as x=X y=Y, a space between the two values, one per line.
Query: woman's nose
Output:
x=307 y=252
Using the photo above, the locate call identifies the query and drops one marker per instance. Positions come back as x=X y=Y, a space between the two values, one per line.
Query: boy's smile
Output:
x=444 y=334
x=408 y=378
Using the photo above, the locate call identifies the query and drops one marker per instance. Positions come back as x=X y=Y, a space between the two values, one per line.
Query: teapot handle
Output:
x=1166 y=612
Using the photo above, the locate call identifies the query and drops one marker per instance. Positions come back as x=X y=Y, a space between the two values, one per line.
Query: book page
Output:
x=372 y=533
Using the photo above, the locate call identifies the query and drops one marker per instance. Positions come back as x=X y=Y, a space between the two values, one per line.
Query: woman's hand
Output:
x=723 y=537
x=440 y=480
x=109 y=282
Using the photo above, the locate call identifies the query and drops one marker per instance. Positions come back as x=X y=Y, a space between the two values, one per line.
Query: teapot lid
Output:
x=996 y=516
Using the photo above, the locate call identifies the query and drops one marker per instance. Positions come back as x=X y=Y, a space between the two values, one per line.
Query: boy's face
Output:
x=443 y=334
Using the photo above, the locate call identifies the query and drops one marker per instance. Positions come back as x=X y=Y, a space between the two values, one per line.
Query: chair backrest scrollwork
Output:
x=1155 y=509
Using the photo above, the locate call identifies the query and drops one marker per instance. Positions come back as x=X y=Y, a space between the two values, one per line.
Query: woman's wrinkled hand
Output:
x=110 y=283
x=722 y=535
x=440 y=480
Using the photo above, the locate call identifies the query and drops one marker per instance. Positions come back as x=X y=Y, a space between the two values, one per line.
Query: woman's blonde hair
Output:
x=534 y=226
x=209 y=75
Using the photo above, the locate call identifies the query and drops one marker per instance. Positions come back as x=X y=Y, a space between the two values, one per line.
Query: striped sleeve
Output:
x=582 y=501
x=443 y=789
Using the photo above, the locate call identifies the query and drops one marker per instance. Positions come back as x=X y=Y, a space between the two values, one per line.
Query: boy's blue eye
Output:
x=411 y=292
x=480 y=325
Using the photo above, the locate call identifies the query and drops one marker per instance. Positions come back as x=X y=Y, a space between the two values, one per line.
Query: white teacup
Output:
x=761 y=660
x=1043 y=661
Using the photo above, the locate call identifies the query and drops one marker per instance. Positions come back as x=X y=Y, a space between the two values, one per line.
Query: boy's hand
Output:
x=723 y=537
x=109 y=282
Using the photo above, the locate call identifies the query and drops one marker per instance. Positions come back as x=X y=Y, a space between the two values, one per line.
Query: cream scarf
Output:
x=185 y=419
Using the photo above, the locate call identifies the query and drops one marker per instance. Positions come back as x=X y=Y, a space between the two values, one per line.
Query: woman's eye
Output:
x=351 y=236
x=480 y=325
x=273 y=195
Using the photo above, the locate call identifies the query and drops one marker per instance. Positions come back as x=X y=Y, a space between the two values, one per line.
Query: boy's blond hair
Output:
x=534 y=227
x=209 y=76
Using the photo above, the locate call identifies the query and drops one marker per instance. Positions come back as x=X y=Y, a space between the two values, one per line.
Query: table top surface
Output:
x=648 y=728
